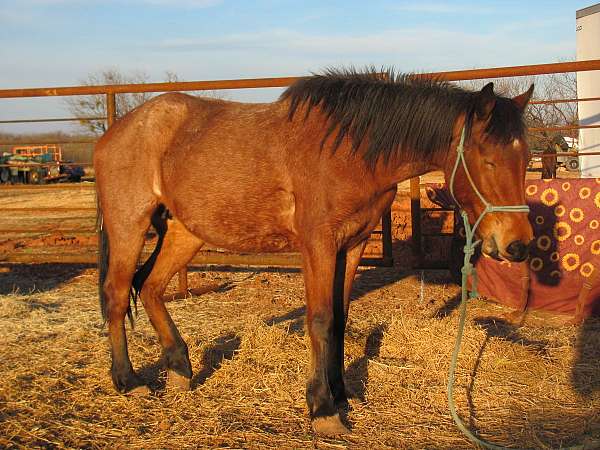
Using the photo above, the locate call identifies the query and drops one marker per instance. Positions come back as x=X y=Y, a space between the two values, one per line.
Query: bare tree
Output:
x=86 y=106
x=557 y=86
x=172 y=77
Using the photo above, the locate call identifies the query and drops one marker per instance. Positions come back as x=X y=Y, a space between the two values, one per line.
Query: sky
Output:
x=47 y=43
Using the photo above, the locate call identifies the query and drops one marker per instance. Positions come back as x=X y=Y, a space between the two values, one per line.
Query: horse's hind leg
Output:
x=178 y=247
x=124 y=251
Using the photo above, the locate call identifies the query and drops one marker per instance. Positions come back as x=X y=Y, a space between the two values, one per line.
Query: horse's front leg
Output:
x=346 y=265
x=325 y=319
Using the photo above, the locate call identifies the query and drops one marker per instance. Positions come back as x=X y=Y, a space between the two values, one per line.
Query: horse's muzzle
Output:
x=517 y=251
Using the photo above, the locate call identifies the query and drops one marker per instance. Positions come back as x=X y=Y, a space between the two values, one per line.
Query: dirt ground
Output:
x=518 y=386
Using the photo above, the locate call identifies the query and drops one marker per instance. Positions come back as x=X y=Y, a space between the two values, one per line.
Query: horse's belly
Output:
x=269 y=243
x=244 y=237
x=256 y=225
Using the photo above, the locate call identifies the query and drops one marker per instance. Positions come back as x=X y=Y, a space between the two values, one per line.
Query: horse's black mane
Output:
x=397 y=114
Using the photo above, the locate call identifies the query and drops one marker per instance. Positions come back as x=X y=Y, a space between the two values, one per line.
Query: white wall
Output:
x=588 y=85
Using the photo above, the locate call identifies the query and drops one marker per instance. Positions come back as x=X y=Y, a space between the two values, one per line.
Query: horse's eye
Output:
x=489 y=163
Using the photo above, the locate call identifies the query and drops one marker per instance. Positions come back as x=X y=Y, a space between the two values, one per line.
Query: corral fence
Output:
x=111 y=91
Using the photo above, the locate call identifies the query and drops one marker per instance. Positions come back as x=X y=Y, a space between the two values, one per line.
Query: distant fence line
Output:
x=111 y=90
x=455 y=75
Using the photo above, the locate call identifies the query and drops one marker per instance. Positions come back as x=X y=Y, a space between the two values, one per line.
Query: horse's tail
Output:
x=102 y=259
x=159 y=222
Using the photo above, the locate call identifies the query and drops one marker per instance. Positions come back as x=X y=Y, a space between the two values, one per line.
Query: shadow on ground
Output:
x=27 y=278
x=220 y=349
x=370 y=280
x=357 y=373
x=585 y=372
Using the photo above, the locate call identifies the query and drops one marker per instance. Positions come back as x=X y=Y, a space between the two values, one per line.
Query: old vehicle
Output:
x=549 y=157
x=35 y=164
x=16 y=168
x=571 y=162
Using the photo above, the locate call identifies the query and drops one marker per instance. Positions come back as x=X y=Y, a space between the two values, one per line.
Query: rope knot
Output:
x=469 y=250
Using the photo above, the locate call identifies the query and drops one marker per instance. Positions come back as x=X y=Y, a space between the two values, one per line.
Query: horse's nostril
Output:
x=517 y=250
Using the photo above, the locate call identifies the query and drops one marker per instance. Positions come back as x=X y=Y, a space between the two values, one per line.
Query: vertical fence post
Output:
x=111 y=109
x=415 y=215
x=183 y=280
x=386 y=237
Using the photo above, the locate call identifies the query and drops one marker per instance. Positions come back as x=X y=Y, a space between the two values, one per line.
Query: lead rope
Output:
x=467 y=270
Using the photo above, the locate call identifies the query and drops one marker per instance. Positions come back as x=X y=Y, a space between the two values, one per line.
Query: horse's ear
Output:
x=523 y=99
x=487 y=101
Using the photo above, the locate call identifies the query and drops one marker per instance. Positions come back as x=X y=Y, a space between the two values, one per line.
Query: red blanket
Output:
x=565 y=256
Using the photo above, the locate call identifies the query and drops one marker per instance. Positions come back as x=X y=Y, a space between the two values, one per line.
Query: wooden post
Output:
x=415 y=214
x=183 y=280
x=111 y=109
x=386 y=237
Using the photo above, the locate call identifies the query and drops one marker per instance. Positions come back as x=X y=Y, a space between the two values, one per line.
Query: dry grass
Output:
x=532 y=387
x=519 y=386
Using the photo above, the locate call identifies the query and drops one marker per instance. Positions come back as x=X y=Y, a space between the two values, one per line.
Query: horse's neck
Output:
x=404 y=170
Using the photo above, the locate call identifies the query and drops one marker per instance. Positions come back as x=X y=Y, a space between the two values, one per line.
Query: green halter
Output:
x=489 y=208
x=467 y=270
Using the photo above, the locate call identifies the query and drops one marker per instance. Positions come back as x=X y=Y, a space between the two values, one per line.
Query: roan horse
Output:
x=312 y=172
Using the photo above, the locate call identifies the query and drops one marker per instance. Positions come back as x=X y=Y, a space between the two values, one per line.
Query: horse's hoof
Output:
x=329 y=426
x=140 y=391
x=177 y=382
